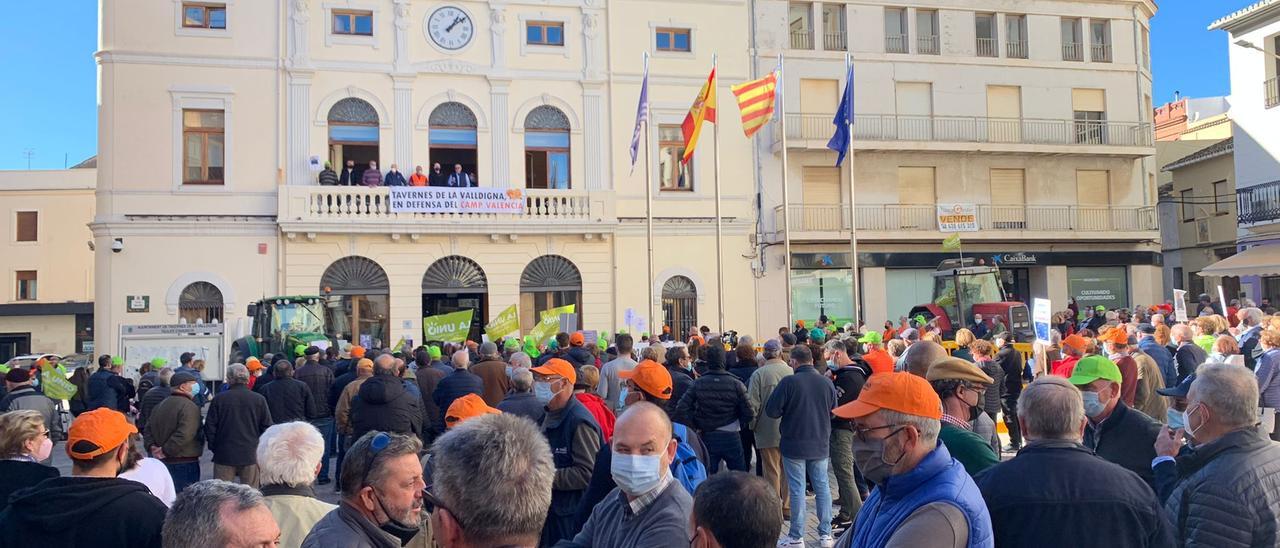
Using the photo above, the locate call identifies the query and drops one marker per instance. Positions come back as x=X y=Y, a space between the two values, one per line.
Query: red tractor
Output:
x=962 y=288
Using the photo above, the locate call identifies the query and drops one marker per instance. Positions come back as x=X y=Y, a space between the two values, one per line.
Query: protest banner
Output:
x=549 y=323
x=415 y=199
x=1180 y=305
x=1041 y=317
x=451 y=327
x=506 y=323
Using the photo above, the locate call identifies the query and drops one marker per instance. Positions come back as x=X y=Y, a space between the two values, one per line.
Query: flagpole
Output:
x=781 y=101
x=648 y=202
x=719 y=239
x=853 y=225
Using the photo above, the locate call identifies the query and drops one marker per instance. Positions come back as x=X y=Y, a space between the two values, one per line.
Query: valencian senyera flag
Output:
x=755 y=101
x=703 y=109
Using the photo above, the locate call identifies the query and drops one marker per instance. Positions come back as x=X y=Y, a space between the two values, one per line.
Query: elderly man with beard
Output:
x=382 y=489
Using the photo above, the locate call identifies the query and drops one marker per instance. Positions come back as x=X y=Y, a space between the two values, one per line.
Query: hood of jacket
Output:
x=58 y=502
x=381 y=389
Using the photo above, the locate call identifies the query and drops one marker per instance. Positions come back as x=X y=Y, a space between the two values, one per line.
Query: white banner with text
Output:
x=416 y=199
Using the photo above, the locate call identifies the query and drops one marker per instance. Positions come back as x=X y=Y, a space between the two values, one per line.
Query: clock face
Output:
x=450 y=28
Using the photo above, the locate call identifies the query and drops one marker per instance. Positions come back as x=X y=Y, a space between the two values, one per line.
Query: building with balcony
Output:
x=1039 y=118
x=46 y=305
x=215 y=118
x=1253 y=35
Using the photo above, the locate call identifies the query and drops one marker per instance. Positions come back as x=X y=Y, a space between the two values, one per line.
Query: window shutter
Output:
x=914 y=98
x=821 y=185
x=1089 y=100
x=1004 y=102
x=1092 y=188
x=819 y=96
x=916 y=185
x=28 y=225
x=1008 y=186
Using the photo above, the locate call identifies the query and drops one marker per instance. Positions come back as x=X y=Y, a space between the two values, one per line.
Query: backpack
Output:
x=686 y=468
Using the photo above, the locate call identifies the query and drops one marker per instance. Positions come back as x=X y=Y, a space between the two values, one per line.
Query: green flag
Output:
x=507 y=323
x=952 y=241
x=452 y=327
x=549 y=323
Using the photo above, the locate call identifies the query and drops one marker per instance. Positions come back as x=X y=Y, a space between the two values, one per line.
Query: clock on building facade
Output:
x=450 y=28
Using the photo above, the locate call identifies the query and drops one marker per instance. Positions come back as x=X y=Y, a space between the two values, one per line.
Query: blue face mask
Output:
x=636 y=474
x=542 y=391
x=1093 y=406
x=1175 y=419
x=831 y=364
x=622 y=396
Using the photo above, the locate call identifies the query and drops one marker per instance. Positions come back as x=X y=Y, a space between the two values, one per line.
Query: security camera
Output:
x=117 y=245
x=91 y=246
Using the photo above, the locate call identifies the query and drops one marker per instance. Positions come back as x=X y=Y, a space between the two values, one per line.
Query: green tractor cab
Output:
x=281 y=325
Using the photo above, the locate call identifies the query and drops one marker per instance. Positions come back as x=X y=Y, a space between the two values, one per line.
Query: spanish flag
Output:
x=755 y=101
x=703 y=109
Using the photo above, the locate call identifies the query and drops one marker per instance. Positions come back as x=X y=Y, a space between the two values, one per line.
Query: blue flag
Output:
x=844 y=117
x=642 y=114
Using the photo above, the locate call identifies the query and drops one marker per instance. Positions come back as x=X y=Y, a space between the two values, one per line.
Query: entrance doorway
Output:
x=14 y=344
x=357 y=299
x=454 y=284
x=550 y=281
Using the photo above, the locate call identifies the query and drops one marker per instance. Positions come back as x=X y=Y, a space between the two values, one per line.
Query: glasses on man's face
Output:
x=861 y=432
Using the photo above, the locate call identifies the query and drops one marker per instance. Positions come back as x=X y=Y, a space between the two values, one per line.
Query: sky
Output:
x=49 y=90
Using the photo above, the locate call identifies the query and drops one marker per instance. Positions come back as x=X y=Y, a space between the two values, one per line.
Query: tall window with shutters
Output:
x=917 y=193
x=1008 y=199
x=1093 y=194
x=673 y=175
x=1004 y=114
x=26 y=285
x=26 y=226
x=1089 y=109
x=824 y=210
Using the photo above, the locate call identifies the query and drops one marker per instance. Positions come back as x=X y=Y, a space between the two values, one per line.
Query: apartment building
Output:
x=1253 y=37
x=1038 y=117
x=234 y=106
x=47 y=301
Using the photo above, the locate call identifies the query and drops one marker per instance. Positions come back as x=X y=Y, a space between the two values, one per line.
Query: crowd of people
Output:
x=1123 y=433
x=370 y=176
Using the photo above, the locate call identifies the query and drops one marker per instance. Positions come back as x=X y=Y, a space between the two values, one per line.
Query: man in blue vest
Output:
x=923 y=497
x=575 y=439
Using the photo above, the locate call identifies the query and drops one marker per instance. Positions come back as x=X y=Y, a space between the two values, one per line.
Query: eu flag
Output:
x=844 y=117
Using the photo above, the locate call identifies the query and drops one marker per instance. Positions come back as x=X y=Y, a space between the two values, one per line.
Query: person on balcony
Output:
x=328 y=177
x=371 y=177
x=437 y=177
x=395 y=178
x=460 y=179
x=418 y=178
x=348 y=174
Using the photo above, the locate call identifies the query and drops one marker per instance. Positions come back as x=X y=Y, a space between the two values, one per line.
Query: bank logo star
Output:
x=997 y=259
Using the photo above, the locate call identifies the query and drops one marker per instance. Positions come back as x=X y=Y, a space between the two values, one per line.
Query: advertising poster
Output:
x=957 y=218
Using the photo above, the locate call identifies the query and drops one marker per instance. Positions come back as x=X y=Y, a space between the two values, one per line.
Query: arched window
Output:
x=550 y=281
x=453 y=141
x=200 y=302
x=679 y=305
x=353 y=137
x=454 y=284
x=546 y=148
x=357 y=300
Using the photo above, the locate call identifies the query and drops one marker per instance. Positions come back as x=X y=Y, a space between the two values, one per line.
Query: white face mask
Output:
x=46 y=449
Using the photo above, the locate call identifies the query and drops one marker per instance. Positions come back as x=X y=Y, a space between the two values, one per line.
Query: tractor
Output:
x=280 y=325
x=962 y=288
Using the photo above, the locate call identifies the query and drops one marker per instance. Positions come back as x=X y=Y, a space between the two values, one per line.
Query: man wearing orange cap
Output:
x=1116 y=342
x=931 y=501
x=1073 y=348
x=92 y=507
x=575 y=438
x=254 y=365
x=467 y=407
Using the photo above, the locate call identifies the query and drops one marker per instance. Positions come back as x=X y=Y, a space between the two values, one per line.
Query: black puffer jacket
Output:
x=383 y=404
x=715 y=399
x=1227 y=495
x=1126 y=438
x=289 y=400
x=849 y=380
x=579 y=356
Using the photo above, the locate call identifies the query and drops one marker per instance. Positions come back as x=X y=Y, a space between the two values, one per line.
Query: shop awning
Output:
x=1263 y=260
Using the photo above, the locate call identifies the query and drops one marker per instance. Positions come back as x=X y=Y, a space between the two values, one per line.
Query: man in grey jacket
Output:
x=1226 y=493
x=763 y=381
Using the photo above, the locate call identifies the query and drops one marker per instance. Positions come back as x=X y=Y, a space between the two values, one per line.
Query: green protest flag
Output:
x=952 y=241
x=556 y=312
x=546 y=329
x=507 y=323
x=452 y=327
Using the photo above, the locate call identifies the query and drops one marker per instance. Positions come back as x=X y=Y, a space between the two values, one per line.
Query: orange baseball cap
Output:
x=557 y=367
x=254 y=364
x=576 y=339
x=898 y=391
x=96 y=432
x=466 y=407
x=1076 y=341
x=365 y=364
x=357 y=351
x=651 y=377
x=1115 y=335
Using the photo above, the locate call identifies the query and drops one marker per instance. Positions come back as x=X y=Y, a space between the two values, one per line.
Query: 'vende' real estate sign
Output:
x=957 y=218
x=414 y=199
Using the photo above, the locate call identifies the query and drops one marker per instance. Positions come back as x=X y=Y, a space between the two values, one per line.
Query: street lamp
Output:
x=1250 y=45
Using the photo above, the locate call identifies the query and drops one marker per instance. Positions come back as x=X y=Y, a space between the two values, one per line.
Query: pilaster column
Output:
x=402 y=9
x=500 y=132
x=593 y=120
x=299 y=130
x=402 y=87
x=299 y=54
x=497 y=29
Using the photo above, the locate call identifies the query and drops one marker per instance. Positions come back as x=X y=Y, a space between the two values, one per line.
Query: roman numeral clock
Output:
x=450 y=28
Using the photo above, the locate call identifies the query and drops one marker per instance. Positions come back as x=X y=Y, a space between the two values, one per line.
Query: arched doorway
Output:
x=453 y=139
x=679 y=305
x=200 y=302
x=548 y=282
x=353 y=135
x=546 y=148
x=357 y=294
x=455 y=283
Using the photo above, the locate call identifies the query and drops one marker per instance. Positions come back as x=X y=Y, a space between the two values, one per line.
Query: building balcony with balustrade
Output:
x=1258 y=207
x=901 y=222
x=354 y=209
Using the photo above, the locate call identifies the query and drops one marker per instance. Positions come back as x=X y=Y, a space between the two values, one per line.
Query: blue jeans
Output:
x=817 y=471
x=726 y=446
x=184 y=474
x=325 y=426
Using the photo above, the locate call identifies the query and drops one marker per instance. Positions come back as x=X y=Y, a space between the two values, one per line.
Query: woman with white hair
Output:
x=288 y=461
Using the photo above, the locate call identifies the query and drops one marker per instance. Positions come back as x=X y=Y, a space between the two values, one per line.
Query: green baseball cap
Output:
x=871 y=337
x=511 y=344
x=158 y=362
x=1100 y=308
x=1092 y=368
x=117 y=360
x=434 y=352
x=300 y=349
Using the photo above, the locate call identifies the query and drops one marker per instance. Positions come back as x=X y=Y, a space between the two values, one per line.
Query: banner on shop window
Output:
x=414 y=199
x=957 y=218
x=452 y=327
